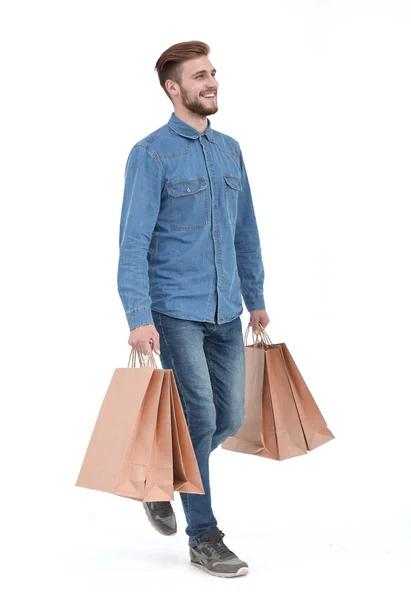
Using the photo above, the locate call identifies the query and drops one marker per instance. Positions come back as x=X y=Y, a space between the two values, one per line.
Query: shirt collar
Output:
x=184 y=129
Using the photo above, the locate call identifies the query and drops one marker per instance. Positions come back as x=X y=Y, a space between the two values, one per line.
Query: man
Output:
x=189 y=252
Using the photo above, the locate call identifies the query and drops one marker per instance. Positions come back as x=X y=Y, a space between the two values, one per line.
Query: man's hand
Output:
x=141 y=338
x=258 y=317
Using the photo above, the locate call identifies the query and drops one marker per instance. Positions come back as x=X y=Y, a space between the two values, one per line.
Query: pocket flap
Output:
x=184 y=188
x=234 y=182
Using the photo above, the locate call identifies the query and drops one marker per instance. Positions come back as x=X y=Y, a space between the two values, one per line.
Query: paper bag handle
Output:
x=262 y=333
x=145 y=360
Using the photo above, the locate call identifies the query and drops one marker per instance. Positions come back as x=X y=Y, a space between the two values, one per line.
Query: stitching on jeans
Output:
x=210 y=365
x=174 y=369
x=182 y=396
x=211 y=372
x=212 y=380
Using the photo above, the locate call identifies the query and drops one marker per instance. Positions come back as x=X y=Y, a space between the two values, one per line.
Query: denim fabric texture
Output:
x=189 y=245
x=208 y=363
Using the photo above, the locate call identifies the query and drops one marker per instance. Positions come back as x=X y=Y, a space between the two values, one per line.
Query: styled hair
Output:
x=168 y=66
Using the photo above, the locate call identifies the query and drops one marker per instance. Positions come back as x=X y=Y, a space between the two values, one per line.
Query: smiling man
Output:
x=189 y=254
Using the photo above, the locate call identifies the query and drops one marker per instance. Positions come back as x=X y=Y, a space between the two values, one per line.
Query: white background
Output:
x=318 y=95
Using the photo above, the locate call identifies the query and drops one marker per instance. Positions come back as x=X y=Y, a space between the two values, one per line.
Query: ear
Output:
x=171 y=87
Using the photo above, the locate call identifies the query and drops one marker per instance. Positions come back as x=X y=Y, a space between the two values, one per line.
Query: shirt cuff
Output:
x=254 y=302
x=138 y=317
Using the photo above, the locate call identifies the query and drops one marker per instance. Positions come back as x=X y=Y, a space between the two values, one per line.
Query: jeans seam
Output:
x=211 y=378
x=211 y=371
x=182 y=396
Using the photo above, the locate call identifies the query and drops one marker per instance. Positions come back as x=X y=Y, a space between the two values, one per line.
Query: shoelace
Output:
x=163 y=509
x=219 y=546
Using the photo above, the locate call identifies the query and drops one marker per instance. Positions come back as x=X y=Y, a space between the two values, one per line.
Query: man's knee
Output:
x=233 y=426
x=202 y=429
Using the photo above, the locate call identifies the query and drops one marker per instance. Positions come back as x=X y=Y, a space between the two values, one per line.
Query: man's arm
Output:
x=141 y=205
x=248 y=249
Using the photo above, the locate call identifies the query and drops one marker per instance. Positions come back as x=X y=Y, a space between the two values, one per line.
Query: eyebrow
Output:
x=204 y=71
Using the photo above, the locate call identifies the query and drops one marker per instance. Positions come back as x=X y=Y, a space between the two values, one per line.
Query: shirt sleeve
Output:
x=139 y=213
x=248 y=249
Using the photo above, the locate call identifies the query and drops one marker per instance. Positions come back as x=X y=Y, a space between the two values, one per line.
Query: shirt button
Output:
x=188 y=190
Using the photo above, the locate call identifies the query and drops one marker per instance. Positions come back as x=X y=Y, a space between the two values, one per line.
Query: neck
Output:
x=198 y=122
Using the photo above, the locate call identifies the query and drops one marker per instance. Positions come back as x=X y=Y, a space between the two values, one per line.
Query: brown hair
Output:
x=168 y=66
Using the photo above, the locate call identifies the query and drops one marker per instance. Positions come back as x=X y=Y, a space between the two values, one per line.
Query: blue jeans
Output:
x=208 y=363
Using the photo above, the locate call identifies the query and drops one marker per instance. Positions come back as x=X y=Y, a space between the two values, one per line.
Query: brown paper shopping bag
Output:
x=187 y=476
x=173 y=465
x=130 y=452
x=159 y=482
x=249 y=438
x=313 y=423
x=282 y=419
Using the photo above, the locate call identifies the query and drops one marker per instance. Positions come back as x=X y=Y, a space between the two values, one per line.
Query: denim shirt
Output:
x=189 y=243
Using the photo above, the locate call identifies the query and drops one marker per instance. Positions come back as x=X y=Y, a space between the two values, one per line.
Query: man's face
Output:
x=197 y=82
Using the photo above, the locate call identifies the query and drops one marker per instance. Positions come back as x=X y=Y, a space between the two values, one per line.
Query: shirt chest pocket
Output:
x=188 y=203
x=232 y=185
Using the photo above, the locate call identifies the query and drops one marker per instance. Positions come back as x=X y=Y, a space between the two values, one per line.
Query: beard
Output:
x=196 y=106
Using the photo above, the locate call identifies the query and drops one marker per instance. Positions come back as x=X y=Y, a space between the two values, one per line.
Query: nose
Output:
x=213 y=85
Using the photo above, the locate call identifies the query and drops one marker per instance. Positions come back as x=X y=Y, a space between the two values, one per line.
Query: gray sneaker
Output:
x=212 y=556
x=161 y=516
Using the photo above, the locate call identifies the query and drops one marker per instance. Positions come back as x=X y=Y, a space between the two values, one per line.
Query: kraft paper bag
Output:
x=187 y=477
x=131 y=450
x=173 y=465
x=249 y=438
x=159 y=484
x=313 y=423
x=281 y=419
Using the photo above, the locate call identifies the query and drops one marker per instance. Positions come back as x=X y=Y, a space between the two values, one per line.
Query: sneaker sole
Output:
x=241 y=571
x=154 y=523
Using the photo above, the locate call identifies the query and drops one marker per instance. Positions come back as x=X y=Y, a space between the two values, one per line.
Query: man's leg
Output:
x=182 y=350
x=224 y=350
